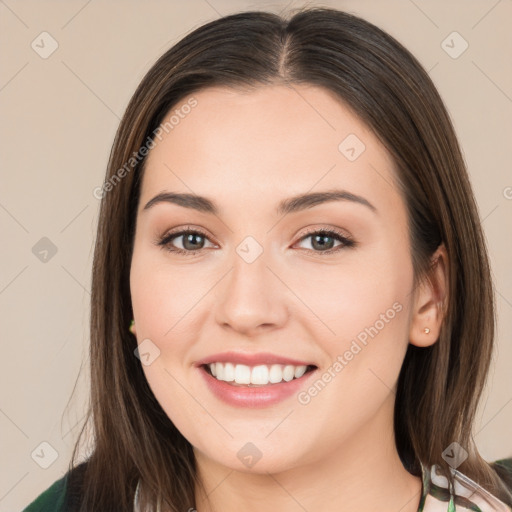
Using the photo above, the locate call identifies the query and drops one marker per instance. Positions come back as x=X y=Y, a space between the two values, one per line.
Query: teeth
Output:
x=300 y=371
x=229 y=372
x=260 y=375
x=242 y=374
x=276 y=373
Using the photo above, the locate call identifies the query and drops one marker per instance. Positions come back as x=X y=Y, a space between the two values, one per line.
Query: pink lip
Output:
x=262 y=396
x=250 y=359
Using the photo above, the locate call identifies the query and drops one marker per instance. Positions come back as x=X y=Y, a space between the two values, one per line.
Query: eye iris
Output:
x=191 y=237
x=322 y=245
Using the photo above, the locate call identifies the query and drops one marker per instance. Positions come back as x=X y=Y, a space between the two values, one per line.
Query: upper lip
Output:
x=251 y=359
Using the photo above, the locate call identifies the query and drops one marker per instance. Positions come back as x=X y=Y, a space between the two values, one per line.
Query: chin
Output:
x=255 y=457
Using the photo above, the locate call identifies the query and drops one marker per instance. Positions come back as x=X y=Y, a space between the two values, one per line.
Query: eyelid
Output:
x=346 y=239
x=325 y=229
x=165 y=239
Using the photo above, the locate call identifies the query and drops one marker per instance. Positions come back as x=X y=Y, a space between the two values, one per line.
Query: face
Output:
x=321 y=284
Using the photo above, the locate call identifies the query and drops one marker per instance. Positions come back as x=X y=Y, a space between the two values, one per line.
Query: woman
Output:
x=291 y=303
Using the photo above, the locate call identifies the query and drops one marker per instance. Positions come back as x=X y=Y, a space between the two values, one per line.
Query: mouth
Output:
x=262 y=375
x=252 y=386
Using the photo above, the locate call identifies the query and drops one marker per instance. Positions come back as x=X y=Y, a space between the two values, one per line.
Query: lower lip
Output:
x=260 y=396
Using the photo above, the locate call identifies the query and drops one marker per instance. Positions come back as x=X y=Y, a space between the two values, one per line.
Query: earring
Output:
x=132 y=325
x=426 y=330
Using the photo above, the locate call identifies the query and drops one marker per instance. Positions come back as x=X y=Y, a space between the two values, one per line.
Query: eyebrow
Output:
x=290 y=205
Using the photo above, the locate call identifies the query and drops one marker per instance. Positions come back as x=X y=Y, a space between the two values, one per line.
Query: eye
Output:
x=324 y=240
x=192 y=241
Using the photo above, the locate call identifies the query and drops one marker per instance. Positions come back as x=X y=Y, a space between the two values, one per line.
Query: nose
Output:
x=251 y=298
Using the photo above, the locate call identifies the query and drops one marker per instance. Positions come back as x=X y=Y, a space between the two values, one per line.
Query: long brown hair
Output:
x=439 y=387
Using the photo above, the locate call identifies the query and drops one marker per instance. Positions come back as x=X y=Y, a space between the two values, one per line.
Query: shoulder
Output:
x=503 y=468
x=50 y=500
x=62 y=496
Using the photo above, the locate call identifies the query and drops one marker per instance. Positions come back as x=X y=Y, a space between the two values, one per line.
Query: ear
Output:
x=430 y=301
x=132 y=328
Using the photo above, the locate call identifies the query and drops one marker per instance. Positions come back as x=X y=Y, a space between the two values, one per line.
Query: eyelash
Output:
x=347 y=242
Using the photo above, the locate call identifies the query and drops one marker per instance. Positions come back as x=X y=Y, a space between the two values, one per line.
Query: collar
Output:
x=465 y=495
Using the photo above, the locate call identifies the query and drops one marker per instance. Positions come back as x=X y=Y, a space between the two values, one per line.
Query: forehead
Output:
x=267 y=143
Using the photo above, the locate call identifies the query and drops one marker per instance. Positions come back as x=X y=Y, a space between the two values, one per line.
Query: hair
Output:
x=439 y=386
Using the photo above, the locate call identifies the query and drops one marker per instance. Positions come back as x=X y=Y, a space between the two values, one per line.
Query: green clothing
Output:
x=51 y=500
x=466 y=496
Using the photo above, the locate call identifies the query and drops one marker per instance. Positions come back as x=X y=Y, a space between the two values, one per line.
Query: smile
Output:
x=260 y=375
x=252 y=386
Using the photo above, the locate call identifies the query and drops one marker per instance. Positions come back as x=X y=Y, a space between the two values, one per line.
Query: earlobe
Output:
x=431 y=297
x=132 y=328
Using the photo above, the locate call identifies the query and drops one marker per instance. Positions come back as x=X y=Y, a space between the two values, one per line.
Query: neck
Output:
x=362 y=473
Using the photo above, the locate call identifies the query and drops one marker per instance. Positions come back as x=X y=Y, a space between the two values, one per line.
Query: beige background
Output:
x=59 y=116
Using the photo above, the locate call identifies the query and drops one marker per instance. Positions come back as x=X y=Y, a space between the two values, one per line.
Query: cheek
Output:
x=163 y=304
x=169 y=304
x=366 y=288
x=174 y=391
x=164 y=297
x=364 y=306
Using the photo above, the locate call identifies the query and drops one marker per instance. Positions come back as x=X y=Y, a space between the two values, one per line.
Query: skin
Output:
x=247 y=151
